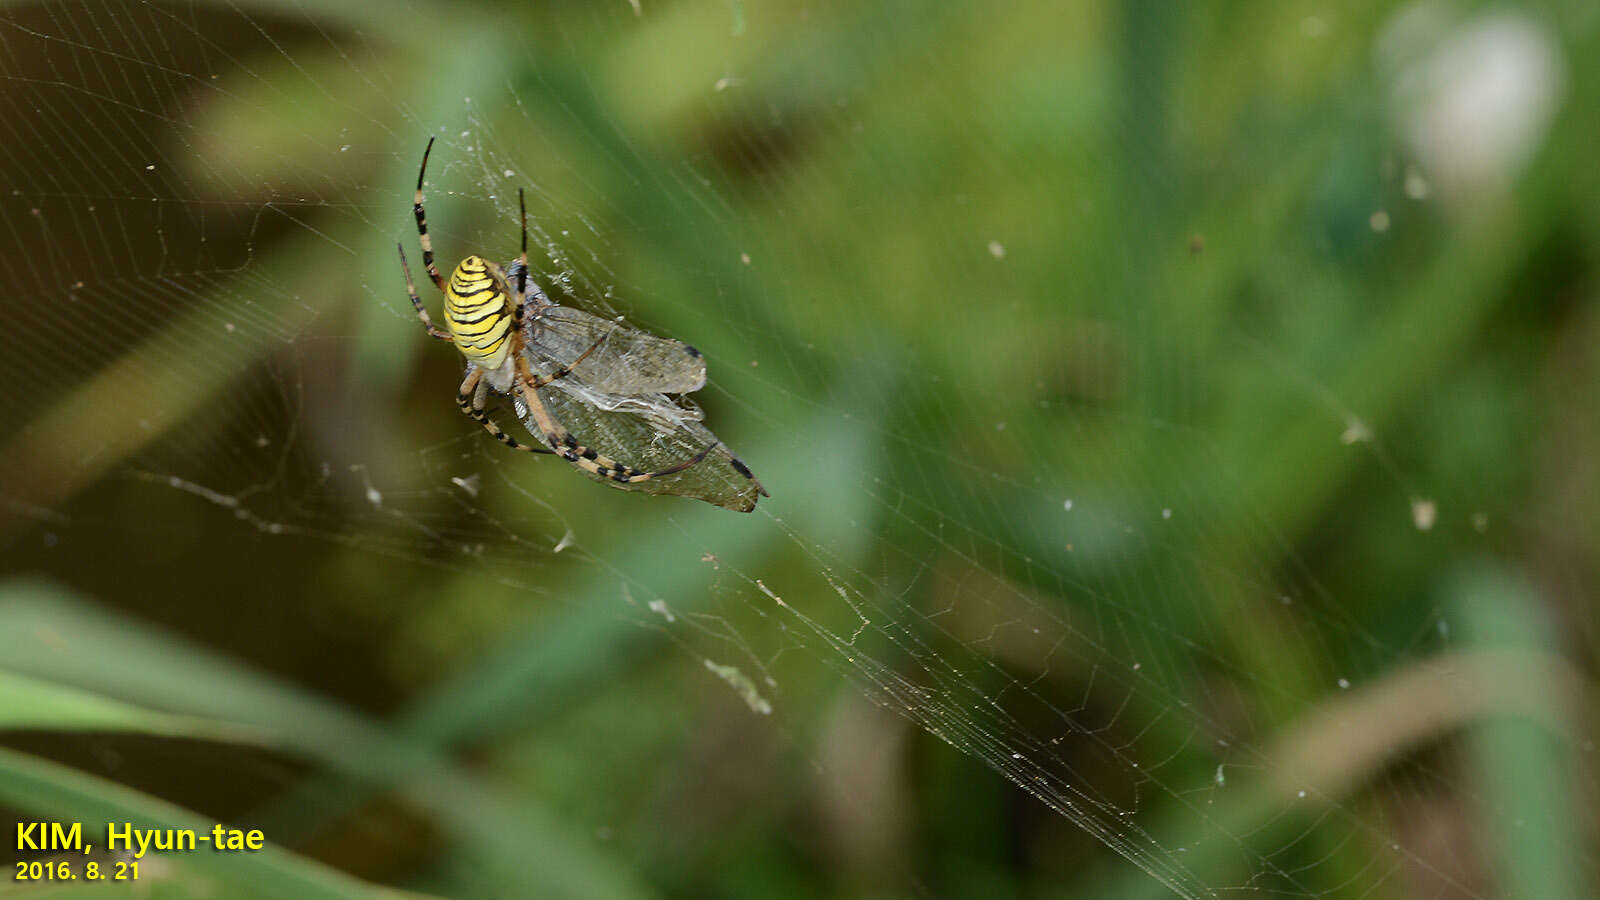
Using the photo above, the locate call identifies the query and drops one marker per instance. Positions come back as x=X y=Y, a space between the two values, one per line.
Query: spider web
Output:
x=1017 y=348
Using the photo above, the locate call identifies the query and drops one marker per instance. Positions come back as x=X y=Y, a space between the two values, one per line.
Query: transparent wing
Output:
x=630 y=361
x=662 y=412
x=642 y=432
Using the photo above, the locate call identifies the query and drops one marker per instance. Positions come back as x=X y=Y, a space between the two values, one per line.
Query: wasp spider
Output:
x=484 y=321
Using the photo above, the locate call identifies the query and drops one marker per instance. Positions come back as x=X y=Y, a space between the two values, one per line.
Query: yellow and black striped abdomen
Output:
x=478 y=314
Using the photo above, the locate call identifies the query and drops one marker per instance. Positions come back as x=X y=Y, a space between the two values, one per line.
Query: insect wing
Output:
x=628 y=361
x=653 y=441
x=662 y=412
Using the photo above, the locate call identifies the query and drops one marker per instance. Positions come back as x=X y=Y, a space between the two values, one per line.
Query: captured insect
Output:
x=610 y=381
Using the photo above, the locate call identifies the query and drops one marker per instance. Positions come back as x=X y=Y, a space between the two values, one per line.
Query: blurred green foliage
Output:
x=1043 y=323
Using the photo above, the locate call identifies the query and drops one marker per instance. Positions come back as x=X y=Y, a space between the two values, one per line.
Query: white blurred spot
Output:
x=1474 y=100
x=1416 y=185
x=1355 y=432
x=1423 y=513
x=659 y=607
x=997 y=250
x=565 y=542
x=468 y=484
x=1379 y=221
x=1067 y=506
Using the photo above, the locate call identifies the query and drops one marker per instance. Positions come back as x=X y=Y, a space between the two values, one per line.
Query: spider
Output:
x=484 y=319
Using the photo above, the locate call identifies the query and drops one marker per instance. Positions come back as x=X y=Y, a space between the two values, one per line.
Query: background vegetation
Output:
x=1315 y=287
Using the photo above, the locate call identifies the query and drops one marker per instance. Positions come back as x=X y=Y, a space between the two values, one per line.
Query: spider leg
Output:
x=416 y=302
x=564 y=371
x=567 y=447
x=471 y=397
x=528 y=291
x=522 y=276
x=422 y=224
